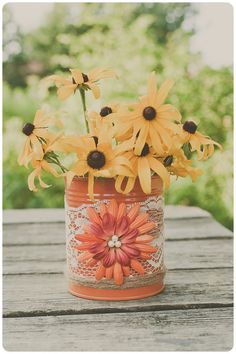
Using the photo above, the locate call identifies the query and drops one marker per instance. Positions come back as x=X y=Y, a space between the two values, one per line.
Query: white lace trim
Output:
x=76 y=219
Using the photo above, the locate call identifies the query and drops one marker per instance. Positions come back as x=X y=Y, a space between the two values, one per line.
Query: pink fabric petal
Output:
x=128 y=240
x=122 y=226
x=131 y=233
x=122 y=257
x=139 y=220
x=94 y=229
x=113 y=208
x=101 y=255
x=109 y=258
x=108 y=223
x=85 y=238
x=121 y=211
x=84 y=246
x=93 y=216
x=103 y=209
x=97 y=247
x=133 y=212
x=130 y=251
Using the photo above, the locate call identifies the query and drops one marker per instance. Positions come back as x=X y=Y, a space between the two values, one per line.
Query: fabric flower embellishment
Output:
x=116 y=240
x=203 y=145
x=79 y=80
x=150 y=118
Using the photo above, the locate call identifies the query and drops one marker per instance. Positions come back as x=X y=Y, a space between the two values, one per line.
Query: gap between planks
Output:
x=184 y=289
x=137 y=309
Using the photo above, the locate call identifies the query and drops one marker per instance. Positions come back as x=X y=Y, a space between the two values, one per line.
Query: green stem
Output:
x=82 y=94
x=56 y=161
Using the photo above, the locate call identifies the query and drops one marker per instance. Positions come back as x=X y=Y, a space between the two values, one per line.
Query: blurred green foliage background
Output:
x=134 y=39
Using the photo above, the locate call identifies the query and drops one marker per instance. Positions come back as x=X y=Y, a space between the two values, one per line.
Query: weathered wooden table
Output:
x=193 y=313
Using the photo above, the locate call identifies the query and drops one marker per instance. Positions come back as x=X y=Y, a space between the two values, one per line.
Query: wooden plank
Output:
x=19 y=216
x=13 y=216
x=46 y=294
x=197 y=228
x=207 y=253
x=54 y=233
x=209 y=329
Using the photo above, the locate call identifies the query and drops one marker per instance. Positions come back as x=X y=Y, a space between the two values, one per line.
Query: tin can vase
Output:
x=114 y=244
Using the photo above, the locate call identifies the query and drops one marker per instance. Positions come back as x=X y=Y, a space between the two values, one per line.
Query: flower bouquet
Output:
x=114 y=186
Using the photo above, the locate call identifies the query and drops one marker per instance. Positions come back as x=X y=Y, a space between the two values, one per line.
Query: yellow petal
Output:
x=121 y=160
x=65 y=91
x=167 y=111
x=42 y=184
x=195 y=143
x=31 y=179
x=100 y=73
x=164 y=133
x=124 y=146
x=152 y=89
x=107 y=173
x=23 y=157
x=104 y=135
x=36 y=147
x=206 y=140
x=39 y=115
x=156 y=142
x=80 y=168
x=129 y=185
x=89 y=144
x=57 y=79
x=141 y=140
x=163 y=91
x=53 y=141
x=77 y=76
x=47 y=167
x=95 y=90
x=144 y=174
x=123 y=170
x=159 y=169
x=195 y=173
x=175 y=128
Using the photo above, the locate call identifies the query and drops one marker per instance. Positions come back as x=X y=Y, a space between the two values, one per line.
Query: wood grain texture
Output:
x=58 y=215
x=193 y=313
x=195 y=330
x=48 y=295
x=206 y=253
x=54 y=233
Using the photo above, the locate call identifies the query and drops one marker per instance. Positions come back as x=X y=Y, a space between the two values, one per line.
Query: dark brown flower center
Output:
x=95 y=138
x=190 y=127
x=149 y=113
x=168 y=160
x=145 y=150
x=28 y=129
x=96 y=159
x=105 y=111
x=85 y=77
